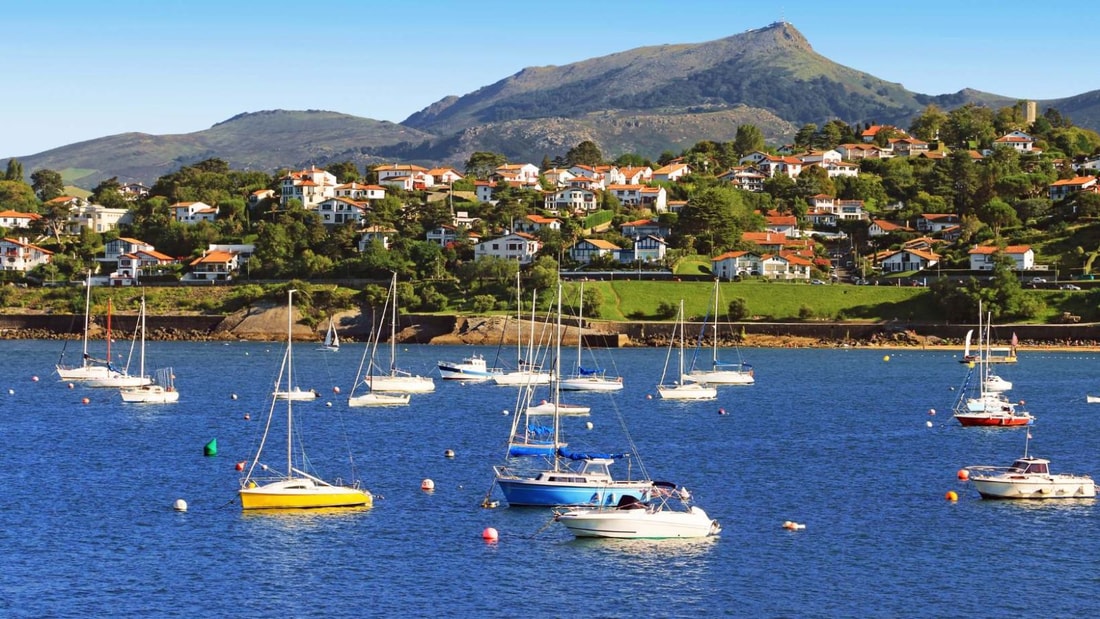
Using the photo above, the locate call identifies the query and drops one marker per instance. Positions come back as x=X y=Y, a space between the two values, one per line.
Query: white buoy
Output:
x=504 y=412
x=336 y=389
x=588 y=425
x=328 y=404
x=427 y=485
x=34 y=379
x=11 y=391
x=233 y=396
x=449 y=453
x=180 y=505
x=928 y=423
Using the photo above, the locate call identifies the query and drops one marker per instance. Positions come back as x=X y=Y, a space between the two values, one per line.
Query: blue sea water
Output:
x=836 y=439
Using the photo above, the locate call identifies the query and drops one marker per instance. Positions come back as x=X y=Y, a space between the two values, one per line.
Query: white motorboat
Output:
x=996 y=384
x=652 y=518
x=472 y=368
x=1029 y=478
x=297 y=394
x=1092 y=399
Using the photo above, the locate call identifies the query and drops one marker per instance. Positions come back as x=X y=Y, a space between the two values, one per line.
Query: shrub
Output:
x=738 y=309
x=667 y=310
x=483 y=303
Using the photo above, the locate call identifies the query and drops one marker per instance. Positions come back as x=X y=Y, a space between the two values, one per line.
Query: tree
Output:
x=482 y=165
x=585 y=153
x=344 y=171
x=716 y=217
x=804 y=138
x=18 y=196
x=15 y=170
x=748 y=139
x=928 y=124
x=47 y=184
x=109 y=193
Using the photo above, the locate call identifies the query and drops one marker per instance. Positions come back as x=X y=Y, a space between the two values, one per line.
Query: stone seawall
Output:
x=269 y=324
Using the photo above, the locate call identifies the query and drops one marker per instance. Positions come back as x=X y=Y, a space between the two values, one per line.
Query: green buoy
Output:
x=211 y=448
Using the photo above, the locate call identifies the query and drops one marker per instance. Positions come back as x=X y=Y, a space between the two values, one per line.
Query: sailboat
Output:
x=678 y=389
x=976 y=404
x=372 y=398
x=115 y=378
x=332 y=338
x=720 y=372
x=542 y=470
x=162 y=390
x=89 y=367
x=265 y=488
x=587 y=379
x=397 y=380
x=527 y=372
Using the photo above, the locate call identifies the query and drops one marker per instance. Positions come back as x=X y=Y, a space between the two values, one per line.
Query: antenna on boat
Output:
x=1027 y=441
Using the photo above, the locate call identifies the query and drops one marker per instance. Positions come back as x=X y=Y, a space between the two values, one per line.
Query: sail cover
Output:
x=565 y=452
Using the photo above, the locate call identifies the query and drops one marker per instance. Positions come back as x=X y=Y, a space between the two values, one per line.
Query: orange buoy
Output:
x=85 y=401
x=490 y=534
x=964 y=474
x=336 y=389
x=240 y=466
x=951 y=496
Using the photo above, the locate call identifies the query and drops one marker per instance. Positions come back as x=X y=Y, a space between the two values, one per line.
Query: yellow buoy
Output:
x=951 y=496
x=886 y=357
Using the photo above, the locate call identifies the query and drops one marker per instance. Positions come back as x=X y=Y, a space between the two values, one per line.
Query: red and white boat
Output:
x=978 y=404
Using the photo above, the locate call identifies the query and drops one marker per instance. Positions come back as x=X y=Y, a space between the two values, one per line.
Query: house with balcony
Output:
x=531 y=224
x=339 y=211
x=835 y=169
x=116 y=248
x=770 y=242
x=857 y=152
x=213 y=266
x=133 y=265
x=1063 y=188
x=445 y=176
x=982 y=257
x=644 y=227
x=932 y=223
x=641 y=196
x=1017 y=141
x=587 y=250
x=901 y=260
x=745 y=177
x=359 y=192
x=787 y=225
x=97 y=218
x=647 y=249
x=380 y=234
x=191 y=213
x=407 y=172
x=15 y=220
x=635 y=175
x=517 y=246
x=558 y=177
x=733 y=264
x=908 y=147
x=571 y=200
x=133 y=191
x=308 y=187
x=522 y=174
x=19 y=254
x=870 y=133
x=882 y=227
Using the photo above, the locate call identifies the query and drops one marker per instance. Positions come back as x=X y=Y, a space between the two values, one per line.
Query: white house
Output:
x=445 y=176
x=12 y=220
x=193 y=212
x=745 y=177
x=131 y=266
x=736 y=264
x=370 y=234
x=123 y=245
x=931 y=223
x=97 y=218
x=338 y=211
x=787 y=225
x=671 y=172
x=586 y=250
x=572 y=200
x=213 y=266
x=417 y=176
x=635 y=175
x=897 y=261
x=1016 y=140
x=1061 y=189
x=646 y=249
x=525 y=174
x=981 y=257
x=359 y=192
x=20 y=255
x=641 y=196
x=881 y=227
x=558 y=177
x=307 y=186
x=517 y=246
x=643 y=227
x=534 y=223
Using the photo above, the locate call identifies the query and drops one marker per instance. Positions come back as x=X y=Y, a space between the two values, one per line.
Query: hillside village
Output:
x=810 y=212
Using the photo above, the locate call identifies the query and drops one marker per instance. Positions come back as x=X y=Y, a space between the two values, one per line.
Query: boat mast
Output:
x=87 y=311
x=683 y=328
x=289 y=383
x=714 y=325
x=557 y=382
x=108 y=333
x=580 y=326
x=141 y=355
x=393 y=325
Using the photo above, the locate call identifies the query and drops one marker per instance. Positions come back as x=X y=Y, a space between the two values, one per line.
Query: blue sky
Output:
x=83 y=70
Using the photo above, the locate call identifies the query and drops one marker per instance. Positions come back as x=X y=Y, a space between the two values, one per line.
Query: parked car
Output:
x=1069 y=287
x=1038 y=280
x=817 y=282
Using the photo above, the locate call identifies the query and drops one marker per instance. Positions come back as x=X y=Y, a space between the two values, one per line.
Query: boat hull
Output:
x=149 y=394
x=522 y=378
x=590 y=384
x=990 y=420
x=401 y=384
x=687 y=391
x=378 y=399
x=565 y=410
x=297 y=396
x=542 y=493
x=83 y=373
x=1035 y=487
x=302 y=493
x=721 y=377
x=117 y=381
x=639 y=523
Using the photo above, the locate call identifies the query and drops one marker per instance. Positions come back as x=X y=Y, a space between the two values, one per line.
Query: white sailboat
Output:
x=161 y=390
x=720 y=372
x=372 y=398
x=115 y=378
x=396 y=380
x=332 y=338
x=587 y=379
x=89 y=367
x=679 y=389
x=262 y=487
x=527 y=372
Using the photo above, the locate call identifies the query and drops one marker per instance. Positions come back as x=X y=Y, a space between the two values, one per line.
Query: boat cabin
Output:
x=595 y=470
x=1037 y=466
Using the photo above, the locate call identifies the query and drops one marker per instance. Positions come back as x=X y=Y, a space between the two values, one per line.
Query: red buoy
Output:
x=240 y=466
x=490 y=534
x=964 y=474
